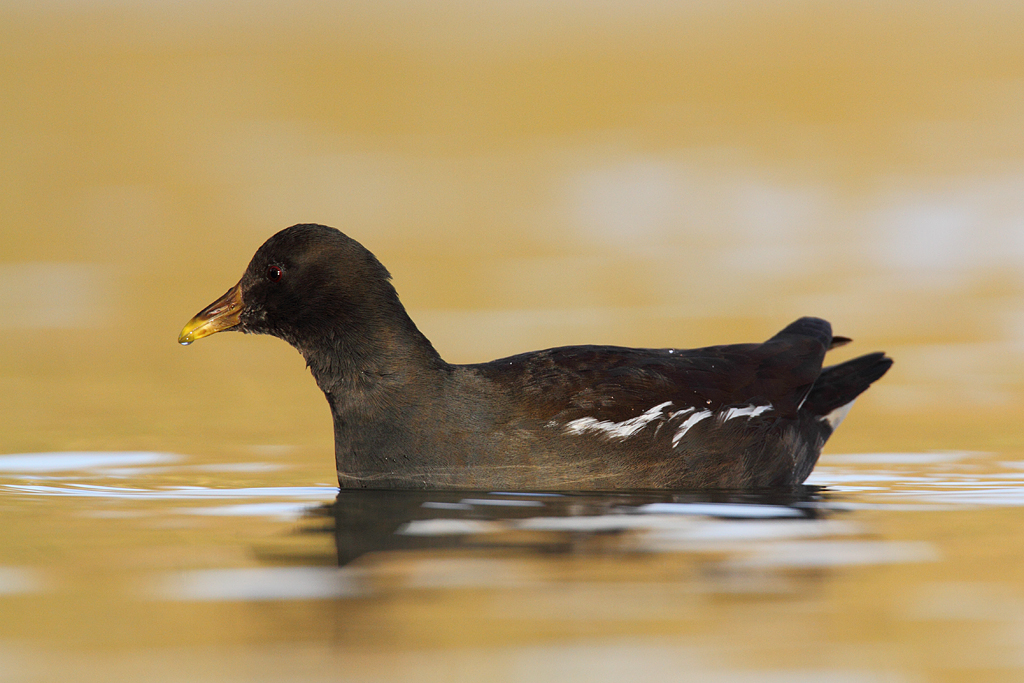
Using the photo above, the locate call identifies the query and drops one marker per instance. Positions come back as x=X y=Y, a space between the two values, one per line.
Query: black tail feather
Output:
x=840 y=384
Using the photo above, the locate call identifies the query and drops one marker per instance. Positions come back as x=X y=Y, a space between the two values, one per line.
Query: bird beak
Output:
x=220 y=315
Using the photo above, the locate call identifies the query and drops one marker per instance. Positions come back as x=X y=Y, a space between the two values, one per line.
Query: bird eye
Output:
x=274 y=273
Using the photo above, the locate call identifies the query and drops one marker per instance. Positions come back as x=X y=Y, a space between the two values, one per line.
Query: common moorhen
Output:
x=568 y=418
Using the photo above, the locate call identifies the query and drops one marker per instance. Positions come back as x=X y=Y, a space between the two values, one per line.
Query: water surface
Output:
x=888 y=566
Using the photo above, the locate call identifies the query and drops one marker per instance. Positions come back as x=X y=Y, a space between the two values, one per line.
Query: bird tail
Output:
x=838 y=385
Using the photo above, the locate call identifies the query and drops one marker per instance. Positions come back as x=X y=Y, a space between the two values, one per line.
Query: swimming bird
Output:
x=738 y=416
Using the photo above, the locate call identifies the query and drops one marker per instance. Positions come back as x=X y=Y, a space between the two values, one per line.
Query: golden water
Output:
x=659 y=175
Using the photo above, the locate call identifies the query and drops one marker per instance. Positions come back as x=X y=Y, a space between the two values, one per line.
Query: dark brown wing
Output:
x=616 y=383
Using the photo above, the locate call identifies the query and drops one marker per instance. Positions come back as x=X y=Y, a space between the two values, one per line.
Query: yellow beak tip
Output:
x=194 y=329
x=222 y=314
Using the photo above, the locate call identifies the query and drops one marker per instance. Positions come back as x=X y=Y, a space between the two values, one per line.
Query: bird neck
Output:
x=360 y=361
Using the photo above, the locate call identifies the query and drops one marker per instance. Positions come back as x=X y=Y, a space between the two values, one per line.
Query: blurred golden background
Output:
x=533 y=174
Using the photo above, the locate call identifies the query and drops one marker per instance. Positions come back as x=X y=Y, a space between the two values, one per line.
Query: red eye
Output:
x=274 y=273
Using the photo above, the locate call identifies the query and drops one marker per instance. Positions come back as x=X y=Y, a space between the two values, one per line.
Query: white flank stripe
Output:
x=747 y=412
x=689 y=422
x=616 y=430
x=627 y=428
x=837 y=415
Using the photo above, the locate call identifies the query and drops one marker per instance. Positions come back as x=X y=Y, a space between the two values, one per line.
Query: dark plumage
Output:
x=575 y=417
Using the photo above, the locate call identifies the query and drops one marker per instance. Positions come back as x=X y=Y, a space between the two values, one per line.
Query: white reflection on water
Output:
x=602 y=523
x=719 y=510
x=821 y=553
x=660 y=532
x=781 y=544
x=449 y=527
x=323 y=493
x=501 y=502
x=265 y=583
x=285 y=512
x=83 y=460
x=1007 y=496
x=443 y=505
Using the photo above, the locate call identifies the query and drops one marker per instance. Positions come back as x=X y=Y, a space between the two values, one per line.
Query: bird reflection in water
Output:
x=367 y=521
